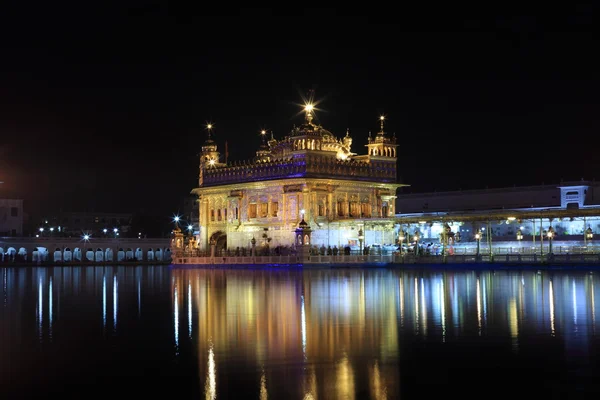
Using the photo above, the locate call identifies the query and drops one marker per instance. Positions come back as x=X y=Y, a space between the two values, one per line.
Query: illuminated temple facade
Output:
x=309 y=175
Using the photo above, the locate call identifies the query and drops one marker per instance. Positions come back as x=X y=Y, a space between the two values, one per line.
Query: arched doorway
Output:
x=220 y=239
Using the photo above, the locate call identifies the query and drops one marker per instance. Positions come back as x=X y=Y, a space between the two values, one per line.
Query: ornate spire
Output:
x=209 y=128
x=347 y=132
x=263 y=135
x=381 y=120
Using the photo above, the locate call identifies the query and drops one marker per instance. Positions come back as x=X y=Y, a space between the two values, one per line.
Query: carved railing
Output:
x=299 y=167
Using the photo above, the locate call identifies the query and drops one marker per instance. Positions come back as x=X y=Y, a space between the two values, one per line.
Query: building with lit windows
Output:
x=516 y=219
x=11 y=213
x=310 y=175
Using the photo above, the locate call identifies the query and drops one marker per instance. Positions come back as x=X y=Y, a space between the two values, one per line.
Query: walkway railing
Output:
x=396 y=258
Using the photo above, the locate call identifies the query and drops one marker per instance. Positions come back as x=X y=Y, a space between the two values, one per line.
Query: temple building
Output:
x=308 y=179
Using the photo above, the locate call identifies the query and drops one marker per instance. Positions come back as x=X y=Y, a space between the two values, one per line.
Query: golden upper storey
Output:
x=308 y=151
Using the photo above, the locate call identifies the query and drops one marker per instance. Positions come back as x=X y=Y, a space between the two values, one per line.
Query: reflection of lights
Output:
x=190 y=309
x=513 y=321
x=416 y=301
x=345 y=379
x=50 y=309
x=115 y=302
x=104 y=301
x=574 y=306
x=378 y=389
x=40 y=307
x=211 y=379
x=263 y=387
x=478 y=307
x=551 y=301
x=176 y=317
x=423 y=308
x=401 y=296
x=443 y=309
x=303 y=326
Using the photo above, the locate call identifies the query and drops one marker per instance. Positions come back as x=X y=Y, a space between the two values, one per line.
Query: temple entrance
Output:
x=220 y=238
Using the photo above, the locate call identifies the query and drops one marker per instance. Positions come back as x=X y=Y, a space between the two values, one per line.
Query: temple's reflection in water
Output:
x=313 y=334
x=289 y=324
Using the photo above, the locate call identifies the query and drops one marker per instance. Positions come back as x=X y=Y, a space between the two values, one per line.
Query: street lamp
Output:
x=41 y=231
x=478 y=239
x=519 y=235
x=550 y=235
x=589 y=235
x=105 y=230
x=416 y=237
x=361 y=237
x=401 y=238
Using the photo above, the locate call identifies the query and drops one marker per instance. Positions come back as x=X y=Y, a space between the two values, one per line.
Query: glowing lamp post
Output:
x=519 y=235
x=416 y=238
x=361 y=237
x=589 y=235
x=478 y=239
x=41 y=231
x=550 y=235
x=401 y=240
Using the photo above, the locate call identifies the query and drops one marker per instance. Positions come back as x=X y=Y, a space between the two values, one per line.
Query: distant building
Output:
x=565 y=195
x=11 y=217
x=569 y=210
x=92 y=223
x=11 y=213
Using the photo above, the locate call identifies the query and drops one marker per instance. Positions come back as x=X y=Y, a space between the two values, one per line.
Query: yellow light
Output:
x=263 y=132
x=382 y=118
x=477 y=236
x=511 y=218
x=212 y=162
x=422 y=222
x=308 y=107
x=416 y=238
x=209 y=126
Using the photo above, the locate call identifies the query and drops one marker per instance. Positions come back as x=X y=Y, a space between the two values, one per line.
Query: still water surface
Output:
x=128 y=332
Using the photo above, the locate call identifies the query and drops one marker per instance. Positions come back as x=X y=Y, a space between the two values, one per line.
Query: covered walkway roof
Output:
x=498 y=215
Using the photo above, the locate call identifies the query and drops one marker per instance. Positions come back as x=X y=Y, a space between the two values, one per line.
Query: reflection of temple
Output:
x=308 y=173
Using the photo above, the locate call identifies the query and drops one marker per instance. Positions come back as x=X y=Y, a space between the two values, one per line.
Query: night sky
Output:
x=106 y=110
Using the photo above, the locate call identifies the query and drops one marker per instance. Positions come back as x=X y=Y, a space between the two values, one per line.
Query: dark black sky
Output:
x=105 y=109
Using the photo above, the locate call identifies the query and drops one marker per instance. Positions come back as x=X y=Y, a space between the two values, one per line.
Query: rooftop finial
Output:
x=308 y=108
x=347 y=132
x=209 y=128
x=263 y=135
x=381 y=119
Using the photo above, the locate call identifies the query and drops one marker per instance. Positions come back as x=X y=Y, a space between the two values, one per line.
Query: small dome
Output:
x=302 y=224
